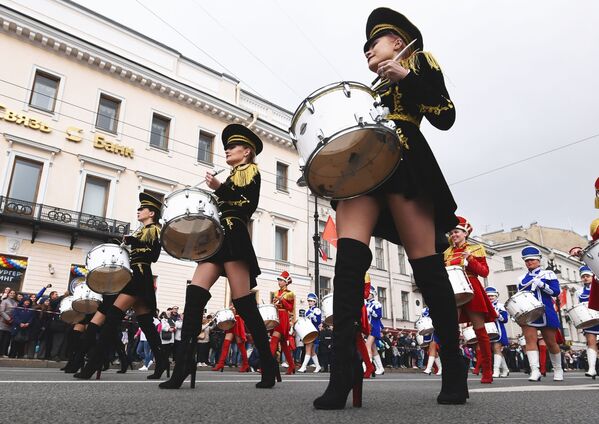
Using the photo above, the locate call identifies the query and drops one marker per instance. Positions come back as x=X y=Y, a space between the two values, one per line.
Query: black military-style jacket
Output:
x=238 y=195
x=145 y=245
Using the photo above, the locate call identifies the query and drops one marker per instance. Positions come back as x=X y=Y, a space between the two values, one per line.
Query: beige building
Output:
x=94 y=113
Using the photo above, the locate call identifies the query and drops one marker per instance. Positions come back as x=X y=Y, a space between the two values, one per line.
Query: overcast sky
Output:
x=522 y=74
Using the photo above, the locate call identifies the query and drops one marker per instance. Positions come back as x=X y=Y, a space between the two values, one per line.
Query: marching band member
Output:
x=433 y=355
x=365 y=352
x=236 y=333
x=411 y=208
x=578 y=252
x=238 y=199
x=375 y=314
x=544 y=285
x=587 y=277
x=472 y=258
x=501 y=340
x=139 y=293
x=315 y=315
x=284 y=300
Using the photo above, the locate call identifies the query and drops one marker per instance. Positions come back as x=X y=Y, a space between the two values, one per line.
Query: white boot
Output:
x=592 y=358
x=504 y=367
x=429 y=365
x=496 y=365
x=317 y=366
x=304 y=364
x=378 y=364
x=533 y=360
x=556 y=361
x=439 y=366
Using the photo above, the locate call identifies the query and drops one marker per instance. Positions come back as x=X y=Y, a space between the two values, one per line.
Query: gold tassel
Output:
x=148 y=234
x=597 y=202
x=412 y=62
x=244 y=174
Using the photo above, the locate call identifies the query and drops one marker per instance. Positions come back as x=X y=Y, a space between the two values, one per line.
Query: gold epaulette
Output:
x=476 y=250
x=289 y=295
x=148 y=234
x=244 y=174
x=412 y=62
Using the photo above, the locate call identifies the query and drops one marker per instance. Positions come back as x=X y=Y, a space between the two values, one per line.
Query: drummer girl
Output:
x=237 y=200
x=543 y=284
x=411 y=208
x=472 y=258
x=138 y=294
x=375 y=315
x=236 y=333
x=315 y=315
x=500 y=341
x=433 y=350
x=284 y=300
x=587 y=277
x=365 y=351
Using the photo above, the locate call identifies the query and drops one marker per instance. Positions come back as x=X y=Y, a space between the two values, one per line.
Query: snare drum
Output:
x=346 y=147
x=421 y=341
x=327 y=309
x=67 y=313
x=225 y=319
x=582 y=317
x=269 y=315
x=109 y=269
x=469 y=335
x=192 y=229
x=85 y=300
x=305 y=330
x=492 y=330
x=460 y=284
x=524 y=307
x=425 y=326
x=590 y=256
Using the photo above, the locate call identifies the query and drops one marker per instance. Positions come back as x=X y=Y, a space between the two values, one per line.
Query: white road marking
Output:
x=536 y=388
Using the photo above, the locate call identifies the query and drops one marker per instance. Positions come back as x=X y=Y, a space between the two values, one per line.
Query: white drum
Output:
x=270 y=315
x=524 y=307
x=85 y=300
x=522 y=341
x=469 y=335
x=191 y=226
x=67 y=313
x=225 y=319
x=327 y=309
x=109 y=268
x=590 y=256
x=424 y=326
x=421 y=342
x=492 y=330
x=346 y=147
x=582 y=317
x=460 y=284
x=305 y=330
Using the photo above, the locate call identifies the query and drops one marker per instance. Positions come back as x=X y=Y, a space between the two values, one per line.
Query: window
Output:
x=382 y=296
x=281 y=176
x=512 y=289
x=156 y=195
x=205 y=147
x=325 y=286
x=45 y=89
x=405 y=306
x=324 y=245
x=401 y=257
x=159 y=134
x=25 y=180
x=95 y=196
x=12 y=272
x=108 y=114
x=379 y=253
x=281 y=244
x=508 y=263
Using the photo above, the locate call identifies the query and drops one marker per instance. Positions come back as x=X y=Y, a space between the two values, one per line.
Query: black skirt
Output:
x=142 y=286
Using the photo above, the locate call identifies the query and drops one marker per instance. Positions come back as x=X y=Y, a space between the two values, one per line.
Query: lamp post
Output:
x=551 y=267
x=301 y=182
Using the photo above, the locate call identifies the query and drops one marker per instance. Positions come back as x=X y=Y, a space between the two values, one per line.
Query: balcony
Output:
x=47 y=217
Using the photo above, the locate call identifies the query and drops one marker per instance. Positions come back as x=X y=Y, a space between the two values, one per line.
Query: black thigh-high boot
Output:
x=120 y=351
x=433 y=281
x=353 y=260
x=247 y=309
x=88 y=339
x=196 y=299
x=74 y=340
x=114 y=317
x=146 y=323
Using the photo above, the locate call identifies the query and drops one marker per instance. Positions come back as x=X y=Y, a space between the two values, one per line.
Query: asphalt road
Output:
x=48 y=395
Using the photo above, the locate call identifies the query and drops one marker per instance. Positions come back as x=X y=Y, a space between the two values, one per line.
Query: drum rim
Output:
x=219 y=227
x=119 y=246
x=209 y=193
x=109 y=292
x=321 y=145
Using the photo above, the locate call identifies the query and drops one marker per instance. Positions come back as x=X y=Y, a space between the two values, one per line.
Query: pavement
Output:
x=230 y=397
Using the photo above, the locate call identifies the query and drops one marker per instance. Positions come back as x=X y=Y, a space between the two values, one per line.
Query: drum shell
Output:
x=327 y=309
x=421 y=342
x=469 y=335
x=85 y=300
x=306 y=330
x=460 y=284
x=269 y=315
x=425 y=326
x=492 y=330
x=524 y=307
x=582 y=317
x=590 y=256
x=225 y=319
x=109 y=268
x=67 y=313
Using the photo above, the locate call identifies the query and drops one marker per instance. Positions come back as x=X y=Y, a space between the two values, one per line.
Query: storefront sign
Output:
x=21 y=119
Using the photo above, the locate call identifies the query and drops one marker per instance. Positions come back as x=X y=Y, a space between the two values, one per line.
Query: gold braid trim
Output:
x=244 y=174
x=412 y=62
x=148 y=234
x=477 y=250
x=437 y=110
x=403 y=139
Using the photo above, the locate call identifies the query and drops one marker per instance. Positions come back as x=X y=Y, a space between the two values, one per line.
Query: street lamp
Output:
x=301 y=182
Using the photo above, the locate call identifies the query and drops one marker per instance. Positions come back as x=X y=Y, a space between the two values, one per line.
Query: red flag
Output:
x=330 y=232
x=323 y=254
x=563 y=298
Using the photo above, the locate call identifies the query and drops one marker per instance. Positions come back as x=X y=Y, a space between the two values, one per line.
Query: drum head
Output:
x=328 y=320
x=108 y=279
x=72 y=317
x=193 y=238
x=530 y=316
x=270 y=324
x=310 y=337
x=85 y=306
x=463 y=298
x=226 y=325
x=353 y=162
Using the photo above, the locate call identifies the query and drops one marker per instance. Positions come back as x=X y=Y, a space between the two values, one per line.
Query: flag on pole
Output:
x=323 y=254
x=563 y=298
x=330 y=232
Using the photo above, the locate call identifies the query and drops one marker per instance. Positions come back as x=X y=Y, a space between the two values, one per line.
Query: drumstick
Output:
x=395 y=59
x=213 y=174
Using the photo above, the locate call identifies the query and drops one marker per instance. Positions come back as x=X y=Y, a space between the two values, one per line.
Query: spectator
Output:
x=143 y=347
x=7 y=309
x=166 y=329
x=324 y=346
x=22 y=320
x=204 y=342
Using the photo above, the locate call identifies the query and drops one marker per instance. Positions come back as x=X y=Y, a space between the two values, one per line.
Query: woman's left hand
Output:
x=212 y=181
x=392 y=70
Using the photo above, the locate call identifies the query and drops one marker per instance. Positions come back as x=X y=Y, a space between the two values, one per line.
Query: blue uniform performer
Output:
x=433 y=345
x=500 y=368
x=375 y=314
x=587 y=277
x=315 y=315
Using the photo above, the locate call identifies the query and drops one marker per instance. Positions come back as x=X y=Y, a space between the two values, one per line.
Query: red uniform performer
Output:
x=237 y=333
x=285 y=302
x=365 y=330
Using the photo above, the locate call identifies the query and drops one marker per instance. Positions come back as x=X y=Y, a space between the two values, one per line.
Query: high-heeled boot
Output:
x=146 y=323
x=196 y=299
x=73 y=343
x=245 y=366
x=114 y=316
x=88 y=339
x=353 y=260
x=432 y=280
x=363 y=349
x=486 y=360
x=288 y=356
x=479 y=361
x=247 y=309
x=224 y=351
x=120 y=351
